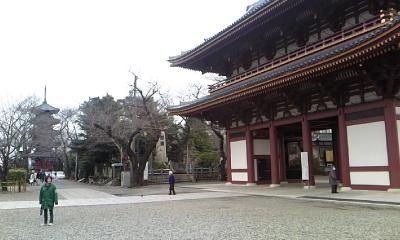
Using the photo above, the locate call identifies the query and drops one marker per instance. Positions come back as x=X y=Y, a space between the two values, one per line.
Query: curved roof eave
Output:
x=324 y=55
x=251 y=12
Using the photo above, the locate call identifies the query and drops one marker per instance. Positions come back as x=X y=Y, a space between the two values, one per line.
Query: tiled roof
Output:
x=288 y=68
x=254 y=8
x=47 y=108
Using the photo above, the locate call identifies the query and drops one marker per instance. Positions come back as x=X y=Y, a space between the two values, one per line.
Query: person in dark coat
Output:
x=171 y=181
x=47 y=198
x=42 y=175
x=333 y=179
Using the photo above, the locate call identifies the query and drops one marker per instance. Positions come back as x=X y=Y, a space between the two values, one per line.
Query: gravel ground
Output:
x=252 y=217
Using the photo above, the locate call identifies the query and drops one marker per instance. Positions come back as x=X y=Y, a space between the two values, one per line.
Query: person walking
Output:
x=35 y=178
x=47 y=198
x=333 y=180
x=32 y=178
x=171 y=181
x=42 y=175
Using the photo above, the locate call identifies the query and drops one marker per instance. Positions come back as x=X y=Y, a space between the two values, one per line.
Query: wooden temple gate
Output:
x=295 y=67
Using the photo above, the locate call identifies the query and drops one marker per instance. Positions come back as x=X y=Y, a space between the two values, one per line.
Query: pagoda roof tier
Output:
x=45 y=107
x=354 y=50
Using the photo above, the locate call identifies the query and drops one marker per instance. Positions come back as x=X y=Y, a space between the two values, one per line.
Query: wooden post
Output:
x=274 y=156
x=392 y=143
x=250 y=161
x=343 y=151
x=307 y=147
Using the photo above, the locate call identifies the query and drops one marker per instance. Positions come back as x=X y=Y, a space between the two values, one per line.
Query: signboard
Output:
x=329 y=156
x=304 y=166
x=146 y=172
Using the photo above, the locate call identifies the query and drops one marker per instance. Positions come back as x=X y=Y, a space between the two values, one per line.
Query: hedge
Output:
x=18 y=174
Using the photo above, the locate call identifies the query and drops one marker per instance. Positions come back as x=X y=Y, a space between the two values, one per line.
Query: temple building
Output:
x=44 y=137
x=300 y=72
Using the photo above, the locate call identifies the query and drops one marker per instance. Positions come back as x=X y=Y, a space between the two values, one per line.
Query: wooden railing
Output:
x=341 y=36
x=14 y=186
x=199 y=174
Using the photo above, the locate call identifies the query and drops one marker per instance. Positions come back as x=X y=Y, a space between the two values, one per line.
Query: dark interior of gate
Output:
x=289 y=148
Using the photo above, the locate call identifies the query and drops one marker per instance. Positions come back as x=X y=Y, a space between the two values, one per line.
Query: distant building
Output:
x=44 y=136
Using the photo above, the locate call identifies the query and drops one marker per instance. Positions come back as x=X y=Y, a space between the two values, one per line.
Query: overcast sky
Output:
x=85 y=48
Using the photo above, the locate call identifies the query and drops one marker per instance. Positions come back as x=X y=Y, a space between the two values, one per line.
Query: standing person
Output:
x=171 y=181
x=42 y=175
x=32 y=178
x=35 y=178
x=333 y=179
x=47 y=198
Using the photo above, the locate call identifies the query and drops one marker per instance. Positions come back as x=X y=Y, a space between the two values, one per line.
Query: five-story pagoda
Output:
x=44 y=136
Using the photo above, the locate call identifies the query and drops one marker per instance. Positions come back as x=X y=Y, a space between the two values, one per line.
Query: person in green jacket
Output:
x=47 y=199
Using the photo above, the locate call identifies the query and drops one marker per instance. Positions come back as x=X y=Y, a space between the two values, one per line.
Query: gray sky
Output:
x=84 y=48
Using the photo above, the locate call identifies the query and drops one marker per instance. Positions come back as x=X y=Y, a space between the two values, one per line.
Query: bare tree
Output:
x=15 y=127
x=196 y=91
x=68 y=129
x=125 y=121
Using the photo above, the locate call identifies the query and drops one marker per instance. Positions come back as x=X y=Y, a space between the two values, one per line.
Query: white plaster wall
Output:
x=367 y=144
x=370 y=178
x=397 y=113
x=261 y=147
x=240 y=176
x=238 y=155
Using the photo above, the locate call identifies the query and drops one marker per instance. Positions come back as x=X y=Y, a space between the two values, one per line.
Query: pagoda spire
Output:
x=45 y=94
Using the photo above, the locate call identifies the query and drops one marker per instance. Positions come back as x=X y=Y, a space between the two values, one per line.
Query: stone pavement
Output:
x=93 y=198
x=77 y=194
x=320 y=193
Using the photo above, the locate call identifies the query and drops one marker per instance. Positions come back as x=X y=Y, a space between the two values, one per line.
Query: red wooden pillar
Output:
x=392 y=143
x=307 y=147
x=228 y=157
x=281 y=157
x=250 y=160
x=343 y=150
x=274 y=156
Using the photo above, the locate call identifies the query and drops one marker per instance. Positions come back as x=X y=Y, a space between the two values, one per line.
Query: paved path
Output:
x=321 y=193
x=110 y=200
x=83 y=193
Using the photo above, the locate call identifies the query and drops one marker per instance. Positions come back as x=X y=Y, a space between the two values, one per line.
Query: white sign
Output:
x=146 y=172
x=304 y=166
